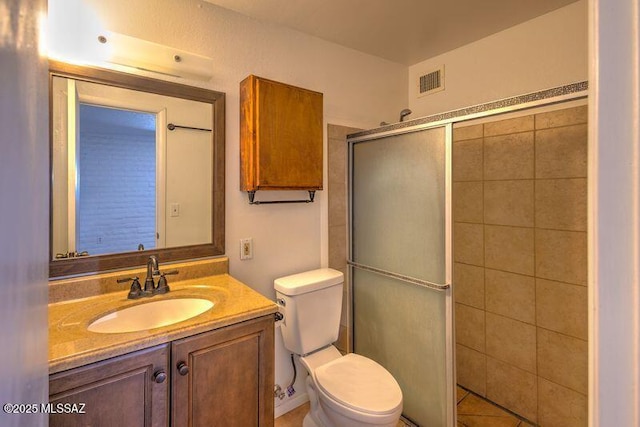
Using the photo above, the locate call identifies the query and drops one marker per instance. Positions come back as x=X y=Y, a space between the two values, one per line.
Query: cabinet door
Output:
x=127 y=390
x=280 y=136
x=224 y=377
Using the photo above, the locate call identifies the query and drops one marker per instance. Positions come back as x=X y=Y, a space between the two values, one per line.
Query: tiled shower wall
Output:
x=520 y=270
x=337 y=192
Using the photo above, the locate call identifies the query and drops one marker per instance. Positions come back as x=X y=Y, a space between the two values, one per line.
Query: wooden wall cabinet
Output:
x=280 y=136
x=224 y=377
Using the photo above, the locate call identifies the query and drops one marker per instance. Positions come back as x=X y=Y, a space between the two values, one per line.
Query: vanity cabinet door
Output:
x=130 y=390
x=225 y=377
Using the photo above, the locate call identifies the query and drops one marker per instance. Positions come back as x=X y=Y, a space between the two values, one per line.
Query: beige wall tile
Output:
x=511 y=295
x=561 y=255
x=336 y=185
x=468 y=243
x=561 y=407
x=511 y=341
x=344 y=313
x=503 y=127
x=468 y=282
x=337 y=205
x=562 y=308
x=563 y=360
x=562 y=152
x=471 y=369
x=467 y=160
x=338 y=247
x=509 y=249
x=337 y=153
x=561 y=204
x=564 y=117
x=340 y=132
x=467 y=201
x=470 y=327
x=509 y=156
x=518 y=305
x=512 y=388
x=461 y=132
x=341 y=344
x=509 y=203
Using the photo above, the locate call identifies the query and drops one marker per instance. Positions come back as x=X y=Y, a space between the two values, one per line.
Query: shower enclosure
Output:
x=400 y=263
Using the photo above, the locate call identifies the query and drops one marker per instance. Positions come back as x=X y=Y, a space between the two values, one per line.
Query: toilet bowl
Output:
x=344 y=391
x=351 y=390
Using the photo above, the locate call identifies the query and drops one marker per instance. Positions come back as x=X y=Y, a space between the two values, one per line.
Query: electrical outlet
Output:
x=246 y=248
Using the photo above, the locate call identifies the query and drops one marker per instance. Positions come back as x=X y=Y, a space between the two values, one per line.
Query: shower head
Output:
x=404 y=113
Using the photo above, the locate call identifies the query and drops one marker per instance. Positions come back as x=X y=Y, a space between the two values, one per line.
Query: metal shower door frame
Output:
x=440 y=287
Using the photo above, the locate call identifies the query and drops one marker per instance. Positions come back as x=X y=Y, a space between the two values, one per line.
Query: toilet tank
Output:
x=312 y=303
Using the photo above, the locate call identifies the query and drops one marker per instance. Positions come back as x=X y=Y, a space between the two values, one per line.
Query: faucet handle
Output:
x=136 y=290
x=163 y=287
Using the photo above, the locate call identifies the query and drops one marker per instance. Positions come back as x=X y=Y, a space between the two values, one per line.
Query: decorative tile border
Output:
x=482 y=108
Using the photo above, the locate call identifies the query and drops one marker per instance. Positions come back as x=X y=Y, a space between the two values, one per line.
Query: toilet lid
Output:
x=359 y=383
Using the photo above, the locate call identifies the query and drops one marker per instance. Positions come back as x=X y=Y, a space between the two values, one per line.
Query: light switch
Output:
x=175 y=209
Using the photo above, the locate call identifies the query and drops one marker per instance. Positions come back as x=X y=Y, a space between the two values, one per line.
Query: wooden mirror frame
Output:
x=98 y=263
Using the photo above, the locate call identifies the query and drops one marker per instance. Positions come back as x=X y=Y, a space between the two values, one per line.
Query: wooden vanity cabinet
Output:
x=280 y=136
x=225 y=377
x=128 y=390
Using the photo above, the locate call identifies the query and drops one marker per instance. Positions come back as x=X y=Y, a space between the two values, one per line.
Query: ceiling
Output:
x=402 y=31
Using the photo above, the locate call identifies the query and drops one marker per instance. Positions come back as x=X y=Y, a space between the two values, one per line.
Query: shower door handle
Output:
x=401 y=277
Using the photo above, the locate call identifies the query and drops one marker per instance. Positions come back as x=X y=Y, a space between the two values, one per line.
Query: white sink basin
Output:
x=150 y=315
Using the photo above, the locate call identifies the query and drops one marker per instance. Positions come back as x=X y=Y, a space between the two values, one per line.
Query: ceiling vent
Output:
x=431 y=82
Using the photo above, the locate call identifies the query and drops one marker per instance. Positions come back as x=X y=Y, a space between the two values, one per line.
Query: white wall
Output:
x=24 y=225
x=359 y=90
x=542 y=53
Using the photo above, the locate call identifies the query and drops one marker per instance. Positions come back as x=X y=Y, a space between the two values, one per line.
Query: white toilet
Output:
x=344 y=391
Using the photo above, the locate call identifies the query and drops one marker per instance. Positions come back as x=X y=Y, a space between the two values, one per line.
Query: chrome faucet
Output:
x=152 y=270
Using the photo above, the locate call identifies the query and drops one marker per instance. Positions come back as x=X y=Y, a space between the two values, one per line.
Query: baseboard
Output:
x=291 y=404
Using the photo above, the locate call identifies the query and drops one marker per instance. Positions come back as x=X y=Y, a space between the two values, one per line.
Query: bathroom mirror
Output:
x=137 y=169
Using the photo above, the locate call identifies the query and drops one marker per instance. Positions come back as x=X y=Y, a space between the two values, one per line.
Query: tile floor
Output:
x=294 y=418
x=473 y=411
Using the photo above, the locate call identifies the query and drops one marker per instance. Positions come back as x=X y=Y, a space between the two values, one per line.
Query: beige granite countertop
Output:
x=72 y=345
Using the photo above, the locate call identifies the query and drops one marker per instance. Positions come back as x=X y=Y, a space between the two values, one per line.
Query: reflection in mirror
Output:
x=114 y=198
x=108 y=197
x=125 y=181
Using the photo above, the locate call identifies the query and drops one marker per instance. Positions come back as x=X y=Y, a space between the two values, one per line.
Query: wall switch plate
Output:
x=246 y=248
x=175 y=209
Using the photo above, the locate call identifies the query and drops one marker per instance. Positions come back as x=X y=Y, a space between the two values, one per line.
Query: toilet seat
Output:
x=360 y=384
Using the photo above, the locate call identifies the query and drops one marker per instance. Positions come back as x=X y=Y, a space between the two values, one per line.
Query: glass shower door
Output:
x=400 y=265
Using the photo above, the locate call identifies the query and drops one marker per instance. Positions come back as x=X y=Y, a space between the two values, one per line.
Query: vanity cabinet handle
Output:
x=183 y=369
x=160 y=377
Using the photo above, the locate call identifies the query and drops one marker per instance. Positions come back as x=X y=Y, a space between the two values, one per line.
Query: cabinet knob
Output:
x=160 y=377
x=183 y=369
